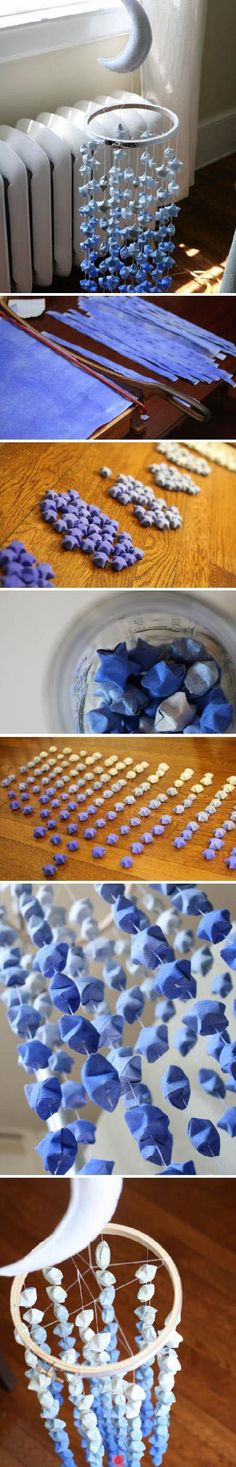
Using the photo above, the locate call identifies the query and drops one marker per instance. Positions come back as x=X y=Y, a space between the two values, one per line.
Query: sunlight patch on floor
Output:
x=205 y=280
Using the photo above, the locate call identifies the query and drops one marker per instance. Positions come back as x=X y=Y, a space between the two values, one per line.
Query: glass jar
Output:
x=70 y=691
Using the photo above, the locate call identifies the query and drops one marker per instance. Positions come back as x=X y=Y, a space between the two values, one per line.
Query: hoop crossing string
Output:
x=118 y=1415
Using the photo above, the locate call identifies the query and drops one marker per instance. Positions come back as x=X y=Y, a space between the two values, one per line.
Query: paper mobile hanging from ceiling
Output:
x=63 y=1354
x=46 y=961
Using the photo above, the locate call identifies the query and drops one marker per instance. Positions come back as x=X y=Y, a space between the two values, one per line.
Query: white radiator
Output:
x=37 y=170
x=40 y=165
x=15 y=242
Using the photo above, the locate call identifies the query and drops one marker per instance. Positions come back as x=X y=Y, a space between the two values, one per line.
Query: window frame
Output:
x=95 y=19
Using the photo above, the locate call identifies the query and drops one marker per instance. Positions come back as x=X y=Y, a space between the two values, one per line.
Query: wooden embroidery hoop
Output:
x=130 y=1362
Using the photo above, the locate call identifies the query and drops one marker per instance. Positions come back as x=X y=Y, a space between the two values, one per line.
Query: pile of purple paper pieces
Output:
x=101 y=983
x=85 y=527
x=173 y=687
x=18 y=567
x=170 y=478
x=151 y=512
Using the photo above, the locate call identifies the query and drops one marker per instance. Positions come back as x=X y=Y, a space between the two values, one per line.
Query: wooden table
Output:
x=195 y=1223
x=23 y=857
x=163 y=417
x=202 y=553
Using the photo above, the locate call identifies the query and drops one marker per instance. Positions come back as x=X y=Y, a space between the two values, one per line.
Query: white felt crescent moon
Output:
x=93 y=1201
x=138 y=44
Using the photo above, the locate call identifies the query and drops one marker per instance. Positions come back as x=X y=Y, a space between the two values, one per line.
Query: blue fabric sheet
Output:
x=42 y=396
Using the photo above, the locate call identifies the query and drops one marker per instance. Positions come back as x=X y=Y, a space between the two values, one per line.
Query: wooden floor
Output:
x=204 y=232
x=205 y=229
x=22 y=857
x=198 y=1231
x=202 y=553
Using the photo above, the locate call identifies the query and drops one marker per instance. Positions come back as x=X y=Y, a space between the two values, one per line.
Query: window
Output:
x=31 y=27
x=21 y=12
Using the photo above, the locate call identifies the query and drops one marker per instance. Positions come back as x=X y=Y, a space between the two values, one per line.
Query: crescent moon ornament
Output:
x=138 y=44
x=91 y=1206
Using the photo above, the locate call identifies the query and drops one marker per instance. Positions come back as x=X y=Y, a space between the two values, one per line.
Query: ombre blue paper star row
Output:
x=51 y=968
x=49 y=785
x=87 y=528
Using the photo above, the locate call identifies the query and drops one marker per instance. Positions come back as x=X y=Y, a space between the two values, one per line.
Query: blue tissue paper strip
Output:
x=94 y=357
x=153 y=337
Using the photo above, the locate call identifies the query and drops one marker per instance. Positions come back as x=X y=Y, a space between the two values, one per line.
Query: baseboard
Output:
x=216 y=137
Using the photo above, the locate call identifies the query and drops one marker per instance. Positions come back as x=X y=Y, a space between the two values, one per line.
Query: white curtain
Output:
x=172 y=72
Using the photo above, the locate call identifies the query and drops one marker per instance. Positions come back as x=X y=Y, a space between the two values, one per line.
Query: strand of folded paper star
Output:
x=128 y=215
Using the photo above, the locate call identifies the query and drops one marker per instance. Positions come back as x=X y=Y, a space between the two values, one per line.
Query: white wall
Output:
x=218 y=84
x=43 y=83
